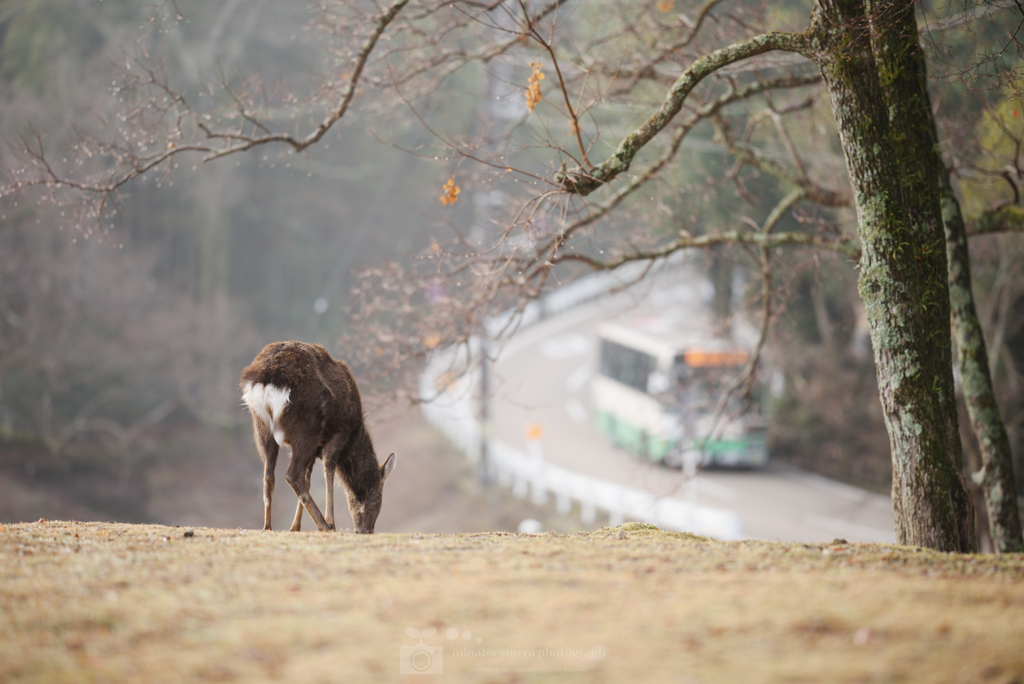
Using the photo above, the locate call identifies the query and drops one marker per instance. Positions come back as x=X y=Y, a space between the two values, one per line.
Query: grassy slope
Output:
x=84 y=602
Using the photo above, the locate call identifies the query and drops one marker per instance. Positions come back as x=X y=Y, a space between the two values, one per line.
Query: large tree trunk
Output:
x=874 y=69
x=996 y=475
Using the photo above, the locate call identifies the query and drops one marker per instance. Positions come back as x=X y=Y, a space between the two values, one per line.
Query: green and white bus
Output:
x=656 y=392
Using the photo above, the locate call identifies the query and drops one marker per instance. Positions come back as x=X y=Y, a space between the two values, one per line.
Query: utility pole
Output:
x=497 y=109
x=484 y=467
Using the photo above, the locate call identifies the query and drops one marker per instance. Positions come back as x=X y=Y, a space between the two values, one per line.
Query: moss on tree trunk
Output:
x=874 y=68
x=996 y=475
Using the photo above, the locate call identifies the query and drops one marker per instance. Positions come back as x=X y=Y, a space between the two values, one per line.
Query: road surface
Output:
x=541 y=377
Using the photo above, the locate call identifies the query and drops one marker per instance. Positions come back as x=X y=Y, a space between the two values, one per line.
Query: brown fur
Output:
x=322 y=419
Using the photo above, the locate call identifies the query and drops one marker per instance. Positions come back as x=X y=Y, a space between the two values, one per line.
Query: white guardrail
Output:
x=451 y=406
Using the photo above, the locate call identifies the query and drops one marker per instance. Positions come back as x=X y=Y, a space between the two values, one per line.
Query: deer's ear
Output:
x=388 y=466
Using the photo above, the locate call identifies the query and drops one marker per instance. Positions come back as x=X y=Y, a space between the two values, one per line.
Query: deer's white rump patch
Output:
x=267 y=402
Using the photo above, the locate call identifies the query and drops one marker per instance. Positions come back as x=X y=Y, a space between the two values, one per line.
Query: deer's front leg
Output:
x=268 y=496
x=297 y=522
x=330 y=454
x=329 y=467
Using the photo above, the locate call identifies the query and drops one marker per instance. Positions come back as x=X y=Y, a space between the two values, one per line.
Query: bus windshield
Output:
x=701 y=376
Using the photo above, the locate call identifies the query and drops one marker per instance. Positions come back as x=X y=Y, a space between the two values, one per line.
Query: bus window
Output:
x=628 y=366
x=700 y=384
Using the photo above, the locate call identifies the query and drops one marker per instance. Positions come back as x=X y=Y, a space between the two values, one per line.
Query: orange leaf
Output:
x=451 y=192
x=533 y=94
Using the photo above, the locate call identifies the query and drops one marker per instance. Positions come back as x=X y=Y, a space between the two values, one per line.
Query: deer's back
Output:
x=298 y=386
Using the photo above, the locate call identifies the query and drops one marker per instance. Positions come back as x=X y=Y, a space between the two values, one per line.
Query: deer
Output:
x=299 y=396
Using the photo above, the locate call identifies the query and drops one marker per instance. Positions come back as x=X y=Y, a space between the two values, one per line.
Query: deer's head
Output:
x=364 y=512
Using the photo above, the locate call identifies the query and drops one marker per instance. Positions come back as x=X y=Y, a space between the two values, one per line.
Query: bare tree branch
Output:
x=843 y=246
x=583 y=182
x=130 y=161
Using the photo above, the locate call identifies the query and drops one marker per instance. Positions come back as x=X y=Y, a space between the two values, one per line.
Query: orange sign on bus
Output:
x=706 y=358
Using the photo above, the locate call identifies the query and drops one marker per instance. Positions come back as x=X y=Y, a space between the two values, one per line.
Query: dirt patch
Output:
x=88 y=602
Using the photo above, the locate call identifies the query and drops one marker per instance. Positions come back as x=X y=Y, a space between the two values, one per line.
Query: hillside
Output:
x=85 y=602
x=434 y=488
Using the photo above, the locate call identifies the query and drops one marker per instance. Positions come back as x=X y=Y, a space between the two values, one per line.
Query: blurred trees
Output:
x=117 y=348
x=97 y=358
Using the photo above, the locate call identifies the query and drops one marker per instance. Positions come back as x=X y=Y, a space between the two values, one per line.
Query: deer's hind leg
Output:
x=297 y=522
x=268 y=448
x=304 y=452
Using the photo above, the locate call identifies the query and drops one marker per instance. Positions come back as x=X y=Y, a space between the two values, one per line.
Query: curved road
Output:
x=542 y=376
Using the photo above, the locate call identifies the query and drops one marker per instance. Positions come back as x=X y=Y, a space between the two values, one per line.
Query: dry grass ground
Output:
x=97 y=602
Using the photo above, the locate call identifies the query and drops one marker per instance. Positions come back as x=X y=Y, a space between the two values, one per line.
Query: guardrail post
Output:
x=535 y=463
